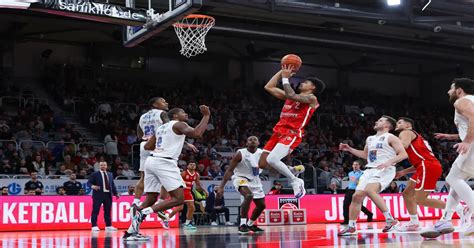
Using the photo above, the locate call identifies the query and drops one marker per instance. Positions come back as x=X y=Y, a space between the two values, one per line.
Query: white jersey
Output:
x=461 y=122
x=149 y=122
x=168 y=143
x=248 y=166
x=379 y=150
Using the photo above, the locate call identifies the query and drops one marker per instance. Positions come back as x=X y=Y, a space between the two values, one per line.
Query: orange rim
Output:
x=211 y=21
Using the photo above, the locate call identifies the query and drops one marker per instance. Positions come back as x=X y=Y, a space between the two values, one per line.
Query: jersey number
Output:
x=255 y=171
x=428 y=146
x=149 y=130
x=373 y=155
x=159 y=141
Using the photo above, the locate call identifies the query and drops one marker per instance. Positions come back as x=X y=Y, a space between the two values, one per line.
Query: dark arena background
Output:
x=77 y=75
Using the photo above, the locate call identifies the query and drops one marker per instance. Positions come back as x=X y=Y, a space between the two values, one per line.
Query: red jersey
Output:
x=189 y=179
x=419 y=151
x=294 y=117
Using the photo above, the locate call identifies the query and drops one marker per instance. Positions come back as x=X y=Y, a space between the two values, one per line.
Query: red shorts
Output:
x=427 y=175
x=291 y=140
x=188 y=196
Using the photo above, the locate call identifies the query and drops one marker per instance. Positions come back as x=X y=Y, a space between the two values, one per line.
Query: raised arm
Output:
x=271 y=87
x=230 y=170
x=359 y=153
x=198 y=131
x=446 y=136
x=286 y=73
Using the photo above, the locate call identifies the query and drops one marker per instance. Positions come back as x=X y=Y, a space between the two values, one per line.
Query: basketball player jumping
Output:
x=190 y=176
x=382 y=151
x=147 y=124
x=161 y=167
x=246 y=180
x=461 y=94
x=426 y=168
x=295 y=115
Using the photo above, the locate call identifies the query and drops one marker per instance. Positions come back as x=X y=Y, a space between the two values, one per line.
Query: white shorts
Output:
x=465 y=162
x=372 y=175
x=144 y=154
x=255 y=186
x=162 y=172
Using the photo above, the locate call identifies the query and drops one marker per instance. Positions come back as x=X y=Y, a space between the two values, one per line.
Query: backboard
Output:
x=160 y=15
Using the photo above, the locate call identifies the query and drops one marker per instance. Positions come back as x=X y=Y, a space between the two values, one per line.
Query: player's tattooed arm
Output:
x=290 y=94
x=286 y=73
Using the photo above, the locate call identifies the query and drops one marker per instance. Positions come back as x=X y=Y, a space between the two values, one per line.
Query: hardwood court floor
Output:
x=315 y=235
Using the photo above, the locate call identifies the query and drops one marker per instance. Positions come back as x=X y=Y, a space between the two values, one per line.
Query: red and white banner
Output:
x=24 y=213
x=329 y=208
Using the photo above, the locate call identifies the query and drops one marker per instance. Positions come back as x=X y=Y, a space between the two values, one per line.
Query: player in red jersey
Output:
x=295 y=115
x=426 y=168
x=190 y=176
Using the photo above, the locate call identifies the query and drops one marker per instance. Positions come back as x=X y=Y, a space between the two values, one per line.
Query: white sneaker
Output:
x=95 y=229
x=297 y=169
x=229 y=223
x=441 y=227
x=298 y=188
x=464 y=215
x=469 y=231
x=110 y=229
x=214 y=223
x=409 y=227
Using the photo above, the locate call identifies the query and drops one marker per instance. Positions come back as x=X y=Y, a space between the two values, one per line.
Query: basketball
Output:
x=292 y=59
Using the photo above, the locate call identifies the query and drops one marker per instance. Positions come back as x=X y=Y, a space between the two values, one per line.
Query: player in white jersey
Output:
x=148 y=123
x=246 y=180
x=161 y=168
x=382 y=151
x=461 y=94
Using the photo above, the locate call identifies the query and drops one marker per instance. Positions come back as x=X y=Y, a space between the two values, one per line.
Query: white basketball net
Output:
x=191 y=32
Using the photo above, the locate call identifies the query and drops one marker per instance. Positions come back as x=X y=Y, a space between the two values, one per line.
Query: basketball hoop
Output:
x=191 y=31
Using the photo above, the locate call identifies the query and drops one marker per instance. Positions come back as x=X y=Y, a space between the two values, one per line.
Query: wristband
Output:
x=285 y=81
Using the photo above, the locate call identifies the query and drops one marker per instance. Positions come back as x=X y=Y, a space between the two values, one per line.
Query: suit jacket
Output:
x=212 y=201
x=96 y=179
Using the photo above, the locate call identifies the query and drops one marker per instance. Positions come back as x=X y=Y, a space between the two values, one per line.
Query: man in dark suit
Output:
x=215 y=204
x=102 y=183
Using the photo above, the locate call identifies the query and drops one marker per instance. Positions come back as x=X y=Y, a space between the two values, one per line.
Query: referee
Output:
x=350 y=190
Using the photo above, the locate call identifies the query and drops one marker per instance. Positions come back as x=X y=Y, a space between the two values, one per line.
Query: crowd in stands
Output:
x=113 y=110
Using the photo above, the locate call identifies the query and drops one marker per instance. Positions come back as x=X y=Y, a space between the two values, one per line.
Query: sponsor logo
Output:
x=298 y=216
x=14 y=189
x=288 y=203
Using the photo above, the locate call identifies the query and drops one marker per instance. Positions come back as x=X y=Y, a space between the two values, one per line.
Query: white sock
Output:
x=243 y=221
x=136 y=201
x=250 y=223
x=414 y=219
x=387 y=215
x=130 y=229
x=456 y=179
x=352 y=223
x=274 y=160
x=447 y=215
x=452 y=201
x=187 y=222
x=147 y=210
